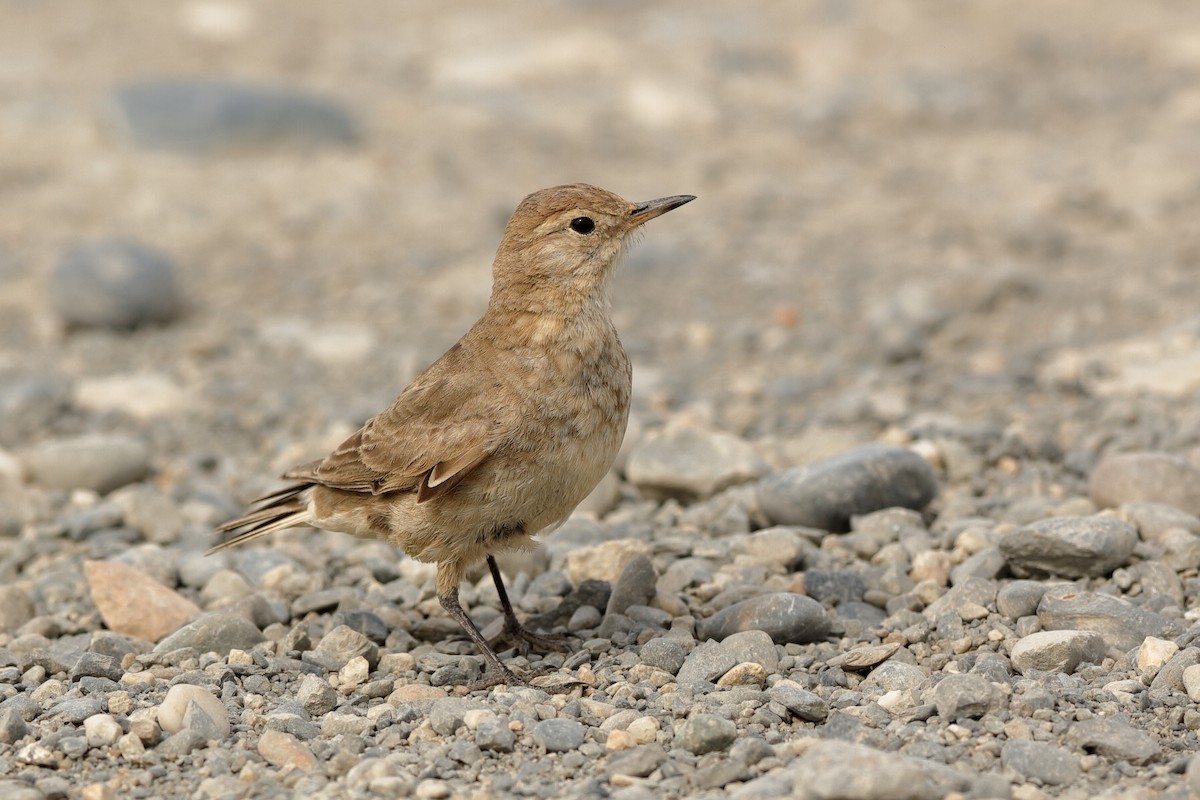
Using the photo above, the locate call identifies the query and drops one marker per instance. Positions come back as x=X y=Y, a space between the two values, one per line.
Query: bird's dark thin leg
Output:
x=497 y=672
x=513 y=628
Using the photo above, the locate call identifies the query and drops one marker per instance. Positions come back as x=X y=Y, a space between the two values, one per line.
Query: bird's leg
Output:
x=520 y=636
x=497 y=672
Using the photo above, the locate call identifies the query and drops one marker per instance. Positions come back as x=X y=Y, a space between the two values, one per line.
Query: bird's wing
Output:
x=439 y=429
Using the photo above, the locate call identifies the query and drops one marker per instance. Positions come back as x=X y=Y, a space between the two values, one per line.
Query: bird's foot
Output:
x=523 y=639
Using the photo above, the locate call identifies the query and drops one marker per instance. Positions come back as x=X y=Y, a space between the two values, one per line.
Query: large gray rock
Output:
x=1122 y=624
x=1074 y=547
x=217 y=632
x=100 y=462
x=1057 y=651
x=691 y=462
x=1040 y=761
x=828 y=493
x=1149 y=477
x=114 y=283
x=785 y=617
x=206 y=115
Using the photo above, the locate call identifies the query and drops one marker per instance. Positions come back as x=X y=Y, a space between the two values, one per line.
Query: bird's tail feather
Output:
x=285 y=508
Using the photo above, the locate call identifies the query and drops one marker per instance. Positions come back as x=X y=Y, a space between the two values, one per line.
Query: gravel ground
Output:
x=910 y=502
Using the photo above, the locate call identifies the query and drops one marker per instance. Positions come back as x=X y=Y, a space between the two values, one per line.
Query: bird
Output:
x=506 y=433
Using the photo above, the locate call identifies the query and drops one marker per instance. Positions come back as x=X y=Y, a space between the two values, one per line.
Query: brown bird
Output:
x=501 y=437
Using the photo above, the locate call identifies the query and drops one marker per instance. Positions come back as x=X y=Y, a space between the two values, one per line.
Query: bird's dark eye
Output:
x=584 y=225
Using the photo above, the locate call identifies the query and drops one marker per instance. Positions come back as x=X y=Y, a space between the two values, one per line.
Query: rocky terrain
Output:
x=909 y=506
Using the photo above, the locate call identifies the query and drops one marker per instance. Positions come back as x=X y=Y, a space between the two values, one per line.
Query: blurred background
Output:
x=905 y=209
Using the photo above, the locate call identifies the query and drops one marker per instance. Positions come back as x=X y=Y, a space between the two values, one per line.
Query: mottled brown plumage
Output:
x=501 y=437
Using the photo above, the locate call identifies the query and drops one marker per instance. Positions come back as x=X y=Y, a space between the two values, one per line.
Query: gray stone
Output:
x=100 y=462
x=971 y=592
x=1057 y=651
x=966 y=696
x=1075 y=547
x=750 y=750
x=831 y=770
x=707 y=733
x=988 y=563
x=181 y=743
x=16 y=608
x=753 y=646
x=341 y=644
x=785 y=617
x=706 y=662
x=1155 y=519
x=217 y=632
x=76 y=709
x=206 y=115
x=690 y=462
x=1019 y=598
x=446 y=714
x=1122 y=624
x=638 y=762
x=114 y=283
x=12 y=726
x=635 y=587
x=558 y=735
x=97 y=665
x=1113 y=738
x=834 y=585
x=316 y=695
x=895 y=676
x=30 y=402
x=494 y=734
x=799 y=701
x=1040 y=761
x=1170 y=676
x=1147 y=477
x=828 y=493
x=664 y=652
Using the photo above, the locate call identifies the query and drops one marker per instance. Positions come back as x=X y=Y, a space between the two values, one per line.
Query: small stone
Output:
x=173 y=713
x=102 y=730
x=1169 y=679
x=834 y=586
x=754 y=646
x=1122 y=624
x=202 y=116
x=785 y=617
x=282 y=749
x=1040 y=761
x=687 y=461
x=1146 y=477
x=76 y=709
x=431 y=789
x=1019 y=598
x=635 y=587
x=971 y=592
x=96 y=665
x=13 y=727
x=1075 y=547
x=317 y=696
x=1153 y=520
x=865 y=656
x=558 y=735
x=798 y=701
x=16 y=608
x=1112 y=738
x=342 y=644
x=100 y=462
x=826 y=494
x=663 y=653
x=604 y=562
x=1155 y=652
x=835 y=769
x=494 y=734
x=141 y=395
x=181 y=743
x=1191 y=682
x=618 y=741
x=133 y=603
x=355 y=673
x=707 y=733
x=966 y=696
x=644 y=729
x=894 y=675
x=217 y=632
x=446 y=716
x=638 y=762
x=707 y=662
x=1057 y=651
x=745 y=674
x=114 y=283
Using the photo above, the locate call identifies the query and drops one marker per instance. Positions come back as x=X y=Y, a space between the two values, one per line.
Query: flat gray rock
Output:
x=966 y=696
x=835 y=770
x=692 y=462
x=826 y=494
x=1113 y=738
x=707 y=662
x=1073 y=547
x=1040 y=761
x=559 y=735
x=114 y=283
x=784 y=616
x=707 y=733
x=1122 y=624
x=1057 y=651
x=101 y=462
x=217 y=632
x=1148 y=477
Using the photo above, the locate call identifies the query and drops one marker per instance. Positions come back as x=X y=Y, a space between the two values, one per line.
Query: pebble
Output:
x=558 y=735
x=707 y=733
x=799 y=701
x=1073 y=547
x=16 y=608
x=114 y=283
x=100 y=462
x=832 y=769
x=205 y=115
x=1019 y=598
x=707 y=662
x=1057 y=651
x=216 y=632
x=316 y=695
x=494 y=735
x=1114 y=739
x=1191 y=682
x=133 y=603
x=635 y=586
x=834 y=585
x=1040 y=761
x=665 y=653
x=1155 y=652
x=785 y=617
x=603 y=562
x=193 y=708
x=684 y=460
x=1146 y=477
x=283 y=749
x=755 y=647
x=638 y=762
x=96 y=665
x=1122 y=624
x=968 y=696
x=826 y=494
x=343 y=644
x=102 y=730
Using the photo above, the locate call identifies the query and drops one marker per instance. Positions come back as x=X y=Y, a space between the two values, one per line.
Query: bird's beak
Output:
x=644 y=212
